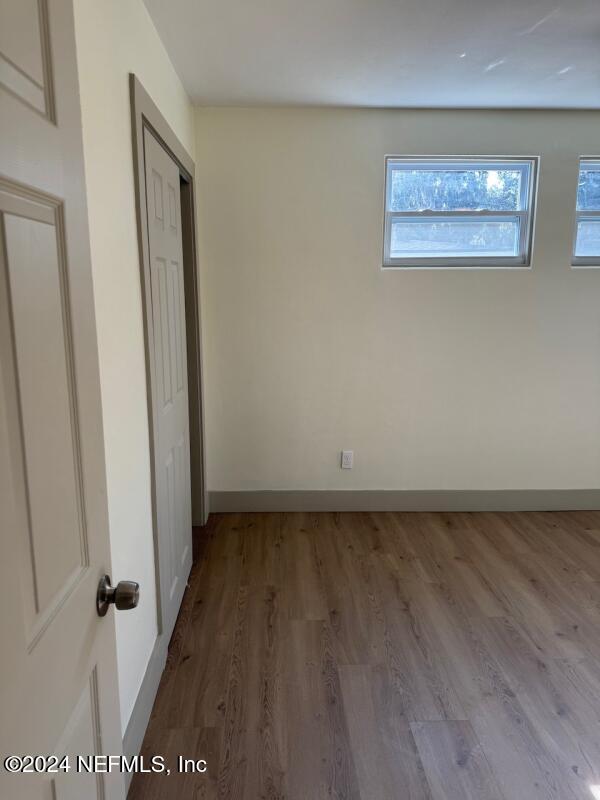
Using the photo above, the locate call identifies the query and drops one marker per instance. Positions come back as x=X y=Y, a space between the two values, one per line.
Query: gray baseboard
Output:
x=140 y=716
x=425 y=500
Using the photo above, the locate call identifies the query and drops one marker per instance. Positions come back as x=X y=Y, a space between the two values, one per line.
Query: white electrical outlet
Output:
x=347 y=459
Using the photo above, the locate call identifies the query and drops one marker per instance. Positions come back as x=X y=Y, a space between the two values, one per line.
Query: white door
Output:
x=172 y=437
x=58 y=678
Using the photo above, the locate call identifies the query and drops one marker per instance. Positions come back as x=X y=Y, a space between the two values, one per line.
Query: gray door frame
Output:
x=145 y=115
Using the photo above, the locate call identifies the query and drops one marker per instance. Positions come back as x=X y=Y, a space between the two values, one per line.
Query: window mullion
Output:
x=432 y=214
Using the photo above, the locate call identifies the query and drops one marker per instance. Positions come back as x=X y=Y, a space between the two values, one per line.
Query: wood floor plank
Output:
x=385 y=753
x=395 y=738
x=454 y=762
x=420 y=682
x=556 y=711
x=396 y=536
x=523 y=602
x=261 y=549
x=197 y=697
x=344 y=569
x=253 y=743
x=190 y=744
x=523 y=766
x=573 y=602
x=303 y=592
x=320 y=762
x=374 y=778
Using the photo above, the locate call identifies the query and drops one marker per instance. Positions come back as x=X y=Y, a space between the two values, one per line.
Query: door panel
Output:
x=81 y=735
x=25 y=66
x=58 y=679
x=172 y=438
x=42 y=352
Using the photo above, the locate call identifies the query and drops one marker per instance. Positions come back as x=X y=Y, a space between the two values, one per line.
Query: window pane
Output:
x=588 y=238
x=588 y=193
x=442 y=189
x=465 y=238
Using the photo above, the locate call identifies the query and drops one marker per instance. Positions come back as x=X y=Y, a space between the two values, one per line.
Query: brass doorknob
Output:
x=124 y=595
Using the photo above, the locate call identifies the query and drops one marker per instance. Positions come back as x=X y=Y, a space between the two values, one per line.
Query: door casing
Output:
x=146 y=116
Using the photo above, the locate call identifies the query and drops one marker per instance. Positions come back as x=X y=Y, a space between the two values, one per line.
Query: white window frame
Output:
x=584 y=216
x=528 y=164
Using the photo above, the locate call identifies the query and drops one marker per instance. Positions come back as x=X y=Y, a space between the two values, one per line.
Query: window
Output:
x=587 y=233
x=459 y=212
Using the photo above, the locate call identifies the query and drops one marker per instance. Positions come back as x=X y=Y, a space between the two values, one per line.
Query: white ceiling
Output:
x=449 y=53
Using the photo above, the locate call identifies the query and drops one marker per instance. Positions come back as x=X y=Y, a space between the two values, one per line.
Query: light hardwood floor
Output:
x=386 y=657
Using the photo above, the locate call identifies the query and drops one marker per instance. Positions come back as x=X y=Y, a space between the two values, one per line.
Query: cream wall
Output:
x=437 y=380
x=114 y=38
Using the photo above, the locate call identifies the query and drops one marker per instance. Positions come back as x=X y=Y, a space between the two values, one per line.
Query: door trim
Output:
x=145 y=115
